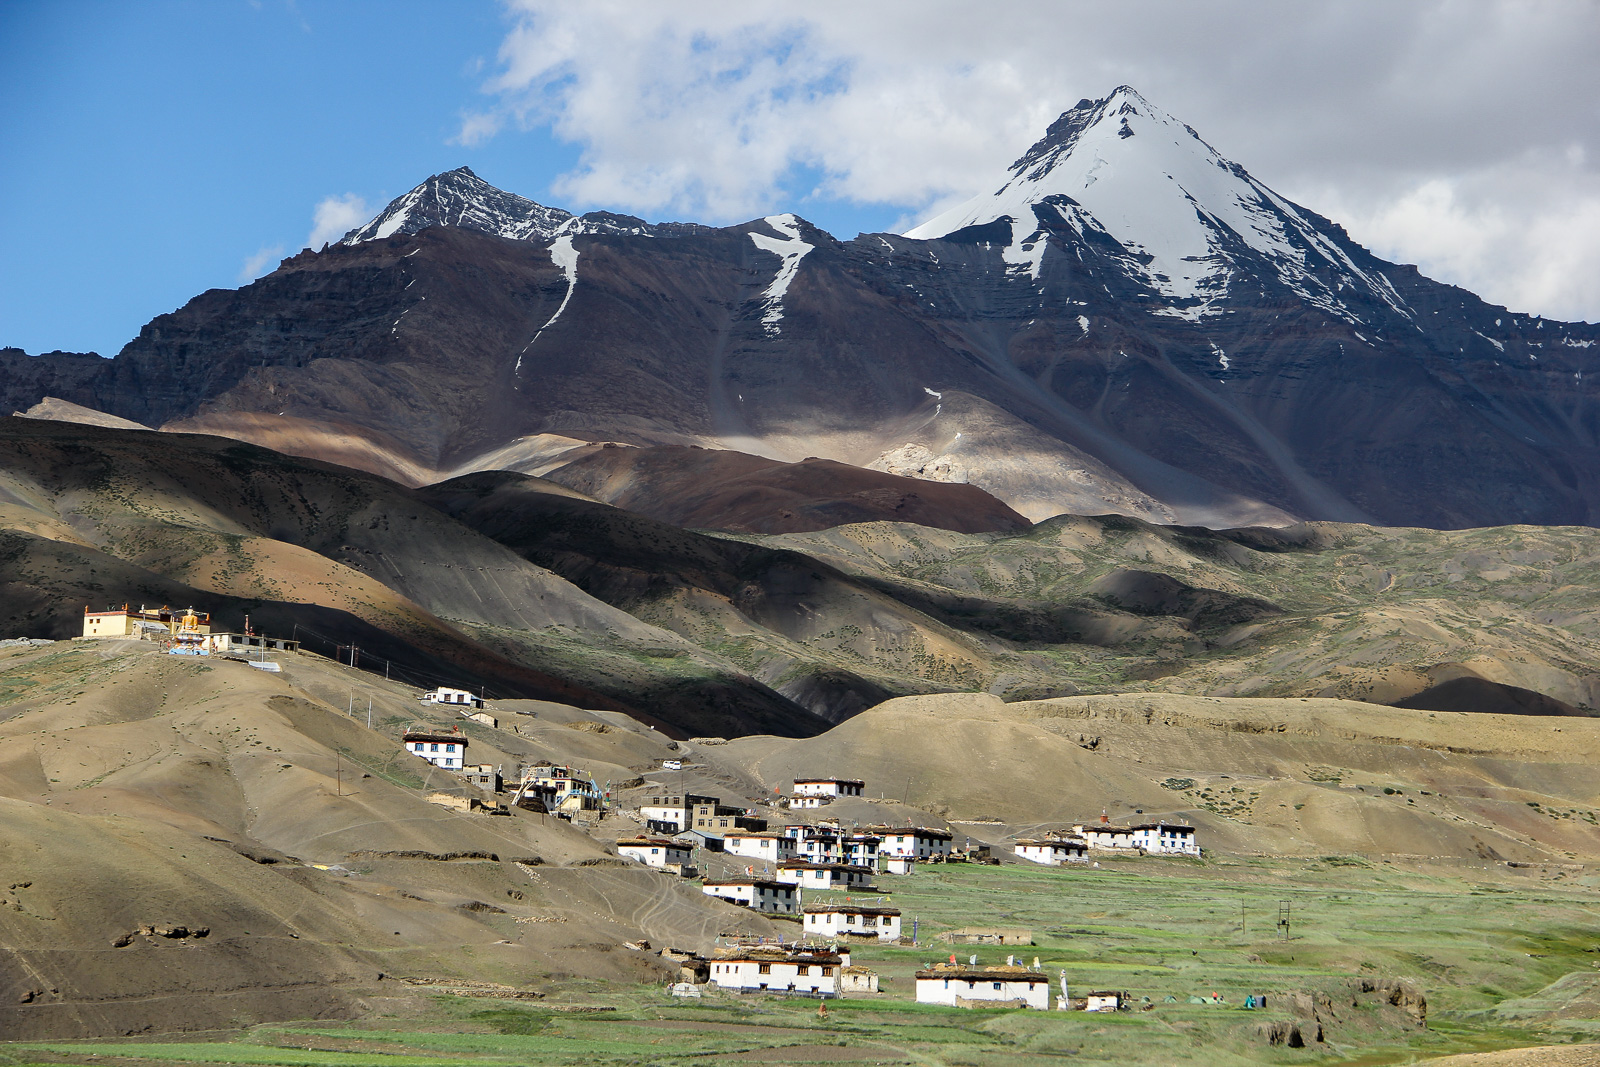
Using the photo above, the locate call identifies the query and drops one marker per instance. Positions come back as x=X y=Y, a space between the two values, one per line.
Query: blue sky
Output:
x=159 y=148
x=153 y=149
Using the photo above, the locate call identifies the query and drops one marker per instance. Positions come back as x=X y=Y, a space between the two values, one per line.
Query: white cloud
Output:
x=712 y=110
x=257 y=265
x=336 y=216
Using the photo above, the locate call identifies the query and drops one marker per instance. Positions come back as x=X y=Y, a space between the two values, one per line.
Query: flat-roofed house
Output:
x=442 y=748
x=852 y=920
x=769 y=848
x=672 y=813
x=1102 y=836
x=1053 y=851
x=454 y=697
x=918 y=842
x=654 y=851
x=861 y=849
x=960 y=985
x=757 y=894
x=828 y=787
x=1166 y=839
x=772 y=970
x=1104 y=1000
x=825 y=875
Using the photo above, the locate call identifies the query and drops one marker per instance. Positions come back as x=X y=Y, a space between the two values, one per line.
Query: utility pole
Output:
x=386 y=670
x=350 y=708
x=369 y=713
x=339 y=773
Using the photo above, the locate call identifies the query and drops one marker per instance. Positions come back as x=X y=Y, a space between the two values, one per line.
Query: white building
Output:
x=953 y=983
x=828 y=787
x=1105 y=837
x=757 y=894
x=809 y=802
x=820 y=848
x=839 y=920
x=899 y=864
x=1054 y=851
x=447 y=749
x=824 y=875
x=918 y=842
x=1166 y=839
x=769 y=848
x=454 y=697
x=654 y=851
x=861 y=850
x=1104 y=1000
x=776 y=971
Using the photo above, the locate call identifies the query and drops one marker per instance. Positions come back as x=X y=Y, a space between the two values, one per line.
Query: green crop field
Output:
x=1476 y=942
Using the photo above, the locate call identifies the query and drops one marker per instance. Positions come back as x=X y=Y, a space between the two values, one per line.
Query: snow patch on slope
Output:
x=565 y=256
x=791 y=249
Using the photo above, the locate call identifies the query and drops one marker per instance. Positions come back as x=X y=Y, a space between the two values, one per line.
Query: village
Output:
x=785 y=857
x=833 y=879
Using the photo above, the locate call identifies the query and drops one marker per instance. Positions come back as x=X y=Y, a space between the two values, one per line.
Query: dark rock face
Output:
x=1293 y=375
x=25 y=380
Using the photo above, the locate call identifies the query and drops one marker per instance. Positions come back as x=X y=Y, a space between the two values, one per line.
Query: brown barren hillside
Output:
x=1301 y=777
x=717 y=489
x=198 y=844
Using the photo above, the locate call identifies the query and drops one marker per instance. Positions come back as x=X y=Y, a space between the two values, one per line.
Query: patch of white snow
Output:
x=791 y=249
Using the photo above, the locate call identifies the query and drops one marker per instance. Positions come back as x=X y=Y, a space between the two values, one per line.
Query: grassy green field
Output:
x=1474 y=941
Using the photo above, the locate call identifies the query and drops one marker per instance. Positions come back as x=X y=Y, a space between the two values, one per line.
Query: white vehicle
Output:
x=672 y=765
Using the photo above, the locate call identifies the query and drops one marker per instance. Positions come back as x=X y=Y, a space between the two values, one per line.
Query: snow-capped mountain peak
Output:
x=1187 y=218
x=461 y=198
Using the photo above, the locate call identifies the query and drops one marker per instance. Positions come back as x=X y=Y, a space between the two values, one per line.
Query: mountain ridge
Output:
x=1247 y=364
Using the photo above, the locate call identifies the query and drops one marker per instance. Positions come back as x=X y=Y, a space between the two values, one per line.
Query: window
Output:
x=449 y=748
x=997 y=985
x=655 y=851
x=765 y=968
x=827 y=972
x=433 y=748
x=850 y=919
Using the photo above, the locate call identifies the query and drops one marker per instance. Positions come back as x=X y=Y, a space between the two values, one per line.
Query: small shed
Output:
x=858 y=980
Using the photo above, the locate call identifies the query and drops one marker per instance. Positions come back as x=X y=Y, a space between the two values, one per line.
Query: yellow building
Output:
x=144 y=624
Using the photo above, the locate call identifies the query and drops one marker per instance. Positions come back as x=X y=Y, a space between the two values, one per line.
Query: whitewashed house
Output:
x=820 y=848
x=860 y=849
x=1103 y=1000
x=899 y=864
x=955 y=984
x=1053 y=851
x=654 y=851
x=803 y=803
x=918 y=842
x=442 y=748
x=453 y=697
x=770 y=970
x=1165 y=839
x=768 y=848
x=825 y=875
x=757 y=894
x=1103 y=836
x=828 y=787
x=841 y=920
